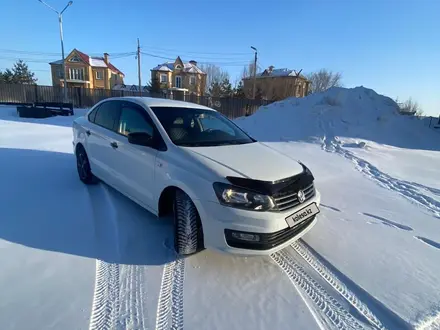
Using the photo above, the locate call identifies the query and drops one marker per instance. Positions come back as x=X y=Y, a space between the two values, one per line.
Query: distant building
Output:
x=85 y=71
x=277 y=84
x=179 y=77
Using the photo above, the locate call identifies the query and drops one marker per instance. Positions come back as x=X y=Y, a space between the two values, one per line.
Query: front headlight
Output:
x=241 y=198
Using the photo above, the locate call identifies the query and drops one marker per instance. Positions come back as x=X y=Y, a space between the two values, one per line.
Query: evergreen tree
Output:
x=239 y=91
x=221 y=88
x=22 y=74
x=226 y=88
x=7 y=76
x=154 y=86
x=215 y=89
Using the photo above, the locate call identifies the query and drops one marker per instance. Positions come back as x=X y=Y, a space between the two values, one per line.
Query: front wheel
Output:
x=188 y=233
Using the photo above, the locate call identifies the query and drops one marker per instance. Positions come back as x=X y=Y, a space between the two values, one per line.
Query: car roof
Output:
x=159 y=102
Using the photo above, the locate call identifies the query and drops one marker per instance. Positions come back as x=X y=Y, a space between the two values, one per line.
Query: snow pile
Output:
x=354 y=114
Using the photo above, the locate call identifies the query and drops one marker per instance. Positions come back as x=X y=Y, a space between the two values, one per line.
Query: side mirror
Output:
x=141 y=139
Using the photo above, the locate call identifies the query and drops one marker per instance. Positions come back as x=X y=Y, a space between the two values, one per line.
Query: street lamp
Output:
x=60 y=19
x=255 y=72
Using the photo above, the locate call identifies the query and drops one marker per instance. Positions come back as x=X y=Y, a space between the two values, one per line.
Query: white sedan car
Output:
x=225 y=190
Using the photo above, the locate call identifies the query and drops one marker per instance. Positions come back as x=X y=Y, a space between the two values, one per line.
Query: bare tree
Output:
x=323 y=80
x=214 y=74
x=248 y=70
x=410 y=107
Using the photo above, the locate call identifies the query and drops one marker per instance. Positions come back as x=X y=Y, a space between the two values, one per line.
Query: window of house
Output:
x=178 y=82
x=192 y=80
x=99 y=75
x=134 y=120
x=59 y=73
x=76 y=73
x=178 y=66
x=163 y=78
x=74 y=59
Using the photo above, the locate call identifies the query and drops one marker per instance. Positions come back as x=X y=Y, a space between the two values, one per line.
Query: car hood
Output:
x=255 y=161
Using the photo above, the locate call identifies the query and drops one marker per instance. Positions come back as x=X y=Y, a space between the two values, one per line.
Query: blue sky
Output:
x=391 y=46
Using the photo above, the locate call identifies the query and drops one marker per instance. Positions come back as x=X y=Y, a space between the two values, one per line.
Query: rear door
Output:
x=101 y=141
x=135 y=164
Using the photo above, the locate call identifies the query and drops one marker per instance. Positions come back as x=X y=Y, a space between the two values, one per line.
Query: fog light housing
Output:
x=245 y=236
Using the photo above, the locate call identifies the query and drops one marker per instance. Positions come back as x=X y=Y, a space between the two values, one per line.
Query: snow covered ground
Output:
x=77 y=257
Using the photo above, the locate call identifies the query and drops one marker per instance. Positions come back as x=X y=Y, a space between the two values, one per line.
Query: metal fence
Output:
x=85 y=98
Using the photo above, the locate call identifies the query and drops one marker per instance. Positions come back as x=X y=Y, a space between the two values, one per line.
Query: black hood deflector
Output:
x=293 y=183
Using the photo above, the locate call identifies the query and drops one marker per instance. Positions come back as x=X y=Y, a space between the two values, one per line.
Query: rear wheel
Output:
x=188 y=233
x=83 y=166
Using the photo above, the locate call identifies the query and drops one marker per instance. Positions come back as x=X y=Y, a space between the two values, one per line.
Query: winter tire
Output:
x=188 y=234
x=83 y=166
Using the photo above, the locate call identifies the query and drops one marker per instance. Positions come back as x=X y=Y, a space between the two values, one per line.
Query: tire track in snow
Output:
x=409 y=190
x=170 y=303
x=105 y=307
x=119 y=295
x=164 y=305
x=432 y=322
x=177 y=295
x=118 y=304
x=326 y=305
x=336 y=284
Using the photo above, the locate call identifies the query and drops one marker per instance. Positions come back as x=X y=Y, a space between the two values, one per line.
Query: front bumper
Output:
x=219 y=221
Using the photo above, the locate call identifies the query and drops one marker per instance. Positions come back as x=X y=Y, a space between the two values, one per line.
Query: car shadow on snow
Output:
x=45 y=206
x=9 y=113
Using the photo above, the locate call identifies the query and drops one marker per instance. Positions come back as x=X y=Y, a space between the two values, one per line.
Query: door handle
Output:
x=114 y=145
x=88 y=133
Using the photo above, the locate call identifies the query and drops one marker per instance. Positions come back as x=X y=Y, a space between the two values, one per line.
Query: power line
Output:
x=25 y=52
x=163 y=53
x=31 y=60
x=191 y=52
x=208 y=58
x=235 y=63
x=43 y=70
x=122 y=55
x=34 y=53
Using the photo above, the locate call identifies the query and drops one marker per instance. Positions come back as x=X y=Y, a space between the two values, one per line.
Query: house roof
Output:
x=133 y=88
x=284 y=72
x=96 y=62
x=169 y=66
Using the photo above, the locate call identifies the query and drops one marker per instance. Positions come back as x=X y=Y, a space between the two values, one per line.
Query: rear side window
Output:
x=92 y=114
x=107 y=115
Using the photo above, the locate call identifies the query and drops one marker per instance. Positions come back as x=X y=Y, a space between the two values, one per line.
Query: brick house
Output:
x=277 y=84
x=179 y=77
x=85 y=71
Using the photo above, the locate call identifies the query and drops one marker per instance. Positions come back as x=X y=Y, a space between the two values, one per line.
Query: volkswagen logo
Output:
x=301 y=196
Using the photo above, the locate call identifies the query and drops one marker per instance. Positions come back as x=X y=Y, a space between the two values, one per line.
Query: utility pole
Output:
x=60 y=20
x=139 y=68
x=255 y=73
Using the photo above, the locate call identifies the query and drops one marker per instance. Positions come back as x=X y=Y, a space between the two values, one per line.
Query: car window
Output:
x=209 y=122
x=92 y=114
x=134 y=119
x=199 y=127
x=107 y=115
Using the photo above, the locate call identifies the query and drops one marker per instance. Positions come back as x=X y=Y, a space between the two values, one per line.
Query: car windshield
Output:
x=199 y=127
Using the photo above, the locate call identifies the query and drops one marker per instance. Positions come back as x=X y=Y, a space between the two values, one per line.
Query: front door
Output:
x=100 y=142
x=136 y=164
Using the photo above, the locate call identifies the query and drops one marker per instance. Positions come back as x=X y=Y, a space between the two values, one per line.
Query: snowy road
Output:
x=76 y=257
